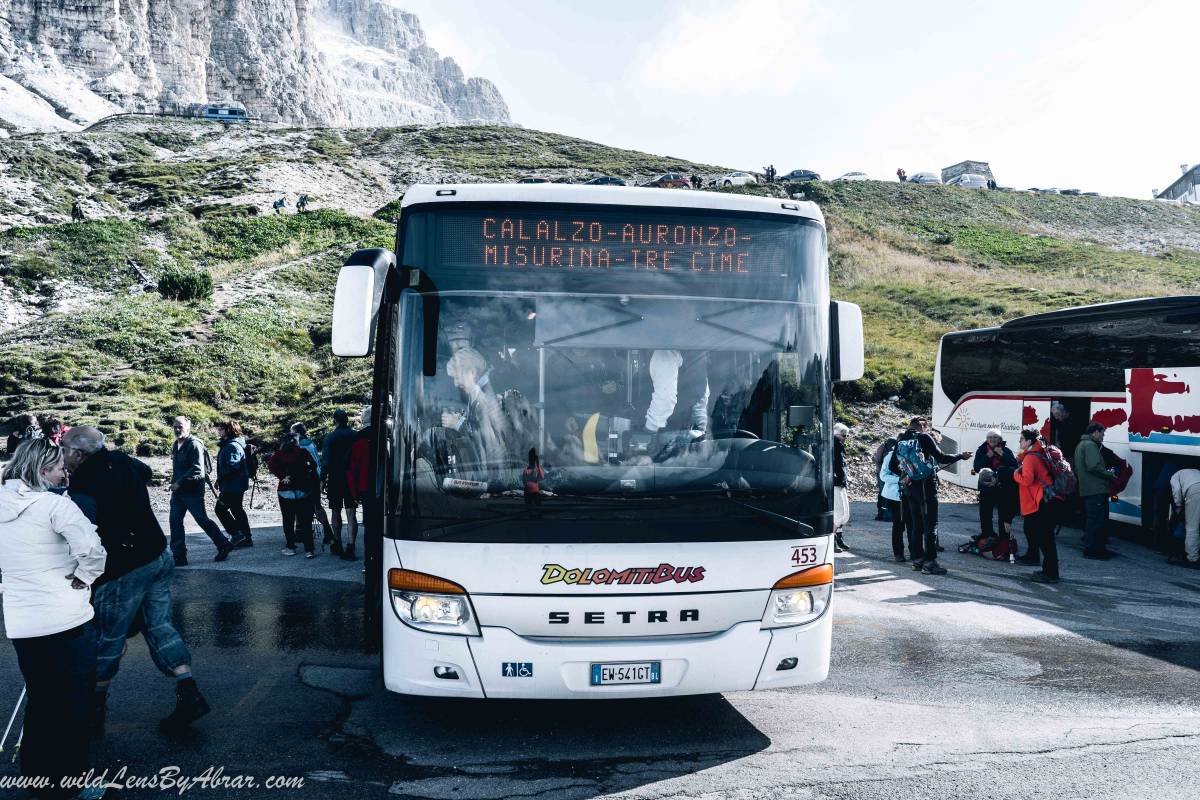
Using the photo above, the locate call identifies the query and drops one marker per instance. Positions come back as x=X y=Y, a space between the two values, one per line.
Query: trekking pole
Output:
x=13 y=718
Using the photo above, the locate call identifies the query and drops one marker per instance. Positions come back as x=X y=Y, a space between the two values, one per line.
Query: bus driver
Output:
x=482 y=421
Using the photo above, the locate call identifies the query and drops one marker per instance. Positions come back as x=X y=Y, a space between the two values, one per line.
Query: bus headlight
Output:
x=796 y=606
x=432 y=604
x=800 y=597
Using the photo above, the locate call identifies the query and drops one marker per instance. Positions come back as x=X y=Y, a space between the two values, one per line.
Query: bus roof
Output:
x=1142 y=307
x=606 y=195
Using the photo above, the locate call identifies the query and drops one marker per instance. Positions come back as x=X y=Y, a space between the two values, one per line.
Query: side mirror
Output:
x=357 y=299
x=846 y=341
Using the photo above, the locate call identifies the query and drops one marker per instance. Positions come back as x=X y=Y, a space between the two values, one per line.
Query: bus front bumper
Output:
x=502 y=664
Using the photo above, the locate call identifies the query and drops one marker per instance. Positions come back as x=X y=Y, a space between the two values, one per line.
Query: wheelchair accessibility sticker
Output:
x=516 y=669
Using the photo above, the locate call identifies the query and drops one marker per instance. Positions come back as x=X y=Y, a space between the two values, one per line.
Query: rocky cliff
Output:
x=303 y=62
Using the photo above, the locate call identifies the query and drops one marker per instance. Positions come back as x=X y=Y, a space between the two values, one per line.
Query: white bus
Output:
x=1133 y=366
x=668 y=357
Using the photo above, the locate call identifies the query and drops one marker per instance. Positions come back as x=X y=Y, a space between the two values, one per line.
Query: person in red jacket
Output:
x=298 y=488
x=1032 y=477
x=357 y=472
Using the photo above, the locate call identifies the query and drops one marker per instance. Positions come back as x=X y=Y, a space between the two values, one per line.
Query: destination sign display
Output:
x=627 y=244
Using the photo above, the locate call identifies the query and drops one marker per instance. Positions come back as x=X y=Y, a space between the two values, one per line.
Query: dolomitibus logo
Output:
x=663 y=573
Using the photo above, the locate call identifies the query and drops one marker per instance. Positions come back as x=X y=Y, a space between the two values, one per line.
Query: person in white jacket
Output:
x=49 y=556
x=1185 y=494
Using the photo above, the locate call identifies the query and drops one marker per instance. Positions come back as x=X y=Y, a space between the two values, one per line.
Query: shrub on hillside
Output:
x=185 y=283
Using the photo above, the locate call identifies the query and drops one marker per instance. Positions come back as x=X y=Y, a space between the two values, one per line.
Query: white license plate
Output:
x=640 y=672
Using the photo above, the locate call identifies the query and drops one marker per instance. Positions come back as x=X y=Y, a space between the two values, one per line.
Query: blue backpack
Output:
x=912 y=462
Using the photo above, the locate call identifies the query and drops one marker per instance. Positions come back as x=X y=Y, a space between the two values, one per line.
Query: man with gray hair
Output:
x=841 y=500
x=110 y=488
x=191 y=468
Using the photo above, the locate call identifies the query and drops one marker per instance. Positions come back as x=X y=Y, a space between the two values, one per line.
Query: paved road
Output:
x=976 y=684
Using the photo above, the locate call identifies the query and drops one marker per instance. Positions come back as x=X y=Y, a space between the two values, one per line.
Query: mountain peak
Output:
x=301 y=62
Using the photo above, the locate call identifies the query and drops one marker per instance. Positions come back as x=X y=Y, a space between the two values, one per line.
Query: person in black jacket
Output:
x=916 y=491
x=110 y=488
x=1000 y=497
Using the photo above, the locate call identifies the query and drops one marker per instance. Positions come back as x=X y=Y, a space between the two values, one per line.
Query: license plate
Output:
x=641 y=672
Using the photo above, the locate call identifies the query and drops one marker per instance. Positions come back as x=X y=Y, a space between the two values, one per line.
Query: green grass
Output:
x=502 y=152
x=93 y=252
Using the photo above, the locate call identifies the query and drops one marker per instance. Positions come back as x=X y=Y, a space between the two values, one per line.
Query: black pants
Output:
x=1039 y=528
x=993 y=502
x=931 y=506
x=896 y=509
x=916 y=497
x=60 y=674
x=232 y=514
x=297 y=521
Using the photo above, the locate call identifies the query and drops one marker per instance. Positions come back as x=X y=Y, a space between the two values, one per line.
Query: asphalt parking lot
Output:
x=974 y=684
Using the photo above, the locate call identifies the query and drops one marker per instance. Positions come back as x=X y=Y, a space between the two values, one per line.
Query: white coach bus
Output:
x=1133 y=366
x=667 y=358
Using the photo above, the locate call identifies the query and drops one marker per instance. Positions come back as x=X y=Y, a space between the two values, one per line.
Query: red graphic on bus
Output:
x=1144 y=385
x=1110 y=417
x=1029 y=415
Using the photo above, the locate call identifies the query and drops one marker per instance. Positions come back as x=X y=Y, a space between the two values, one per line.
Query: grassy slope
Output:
x=920 y=261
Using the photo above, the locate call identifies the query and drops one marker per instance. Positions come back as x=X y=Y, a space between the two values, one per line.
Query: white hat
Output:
x=840 y=428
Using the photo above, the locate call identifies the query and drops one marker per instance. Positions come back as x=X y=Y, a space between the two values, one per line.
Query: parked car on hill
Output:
x=800 y=175
x=605 y=180
x=853 y=176
x=671 y=180
x=926 y=179
x=737 y=179
x=1043 y=191
x=534 y=179
x=1071 y=192
x=968 y=180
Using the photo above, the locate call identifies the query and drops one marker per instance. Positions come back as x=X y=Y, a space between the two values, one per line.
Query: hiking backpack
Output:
x=1063 y=482
x=251 y=461
x=912 y=462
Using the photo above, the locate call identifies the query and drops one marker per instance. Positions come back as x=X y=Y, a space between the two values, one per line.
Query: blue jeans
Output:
x=117 y=603
x=1095 y=534
x=60 y=673
x=188 y=500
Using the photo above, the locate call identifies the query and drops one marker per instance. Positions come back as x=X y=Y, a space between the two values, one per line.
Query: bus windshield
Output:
x=644 y=418
x=663 y=370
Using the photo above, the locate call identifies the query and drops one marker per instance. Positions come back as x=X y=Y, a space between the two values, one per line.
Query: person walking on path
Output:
x=335 y=547
x=335 y=459
x=901 y=174
x=1032 y=477
x=50 y=555
x=135 y=590
x=298 y=490
x=915 y=461
x=1094 y=480
x=995 y=455
x=191 y=468
x=531 y=479
x=1185 y=494
x=233 y=481
x=841 y=496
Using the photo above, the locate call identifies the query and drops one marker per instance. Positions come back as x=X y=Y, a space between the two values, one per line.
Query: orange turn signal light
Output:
x=406 y=580
x=813 y=576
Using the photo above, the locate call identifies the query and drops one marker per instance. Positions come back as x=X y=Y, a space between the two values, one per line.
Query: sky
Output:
x=1097 y=95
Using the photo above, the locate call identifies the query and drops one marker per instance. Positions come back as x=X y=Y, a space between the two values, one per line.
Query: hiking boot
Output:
x=190 y=706
x=309 y=554
x=236 y=541
x=223 y=552
x=932 y=568
x=839 y=544
x=288 y=551
x=335 y=548
x=181 y=559
x=1041 y=577
x=348 y=553
x=245 y=541
x=918 y=565
x=1029 y=560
